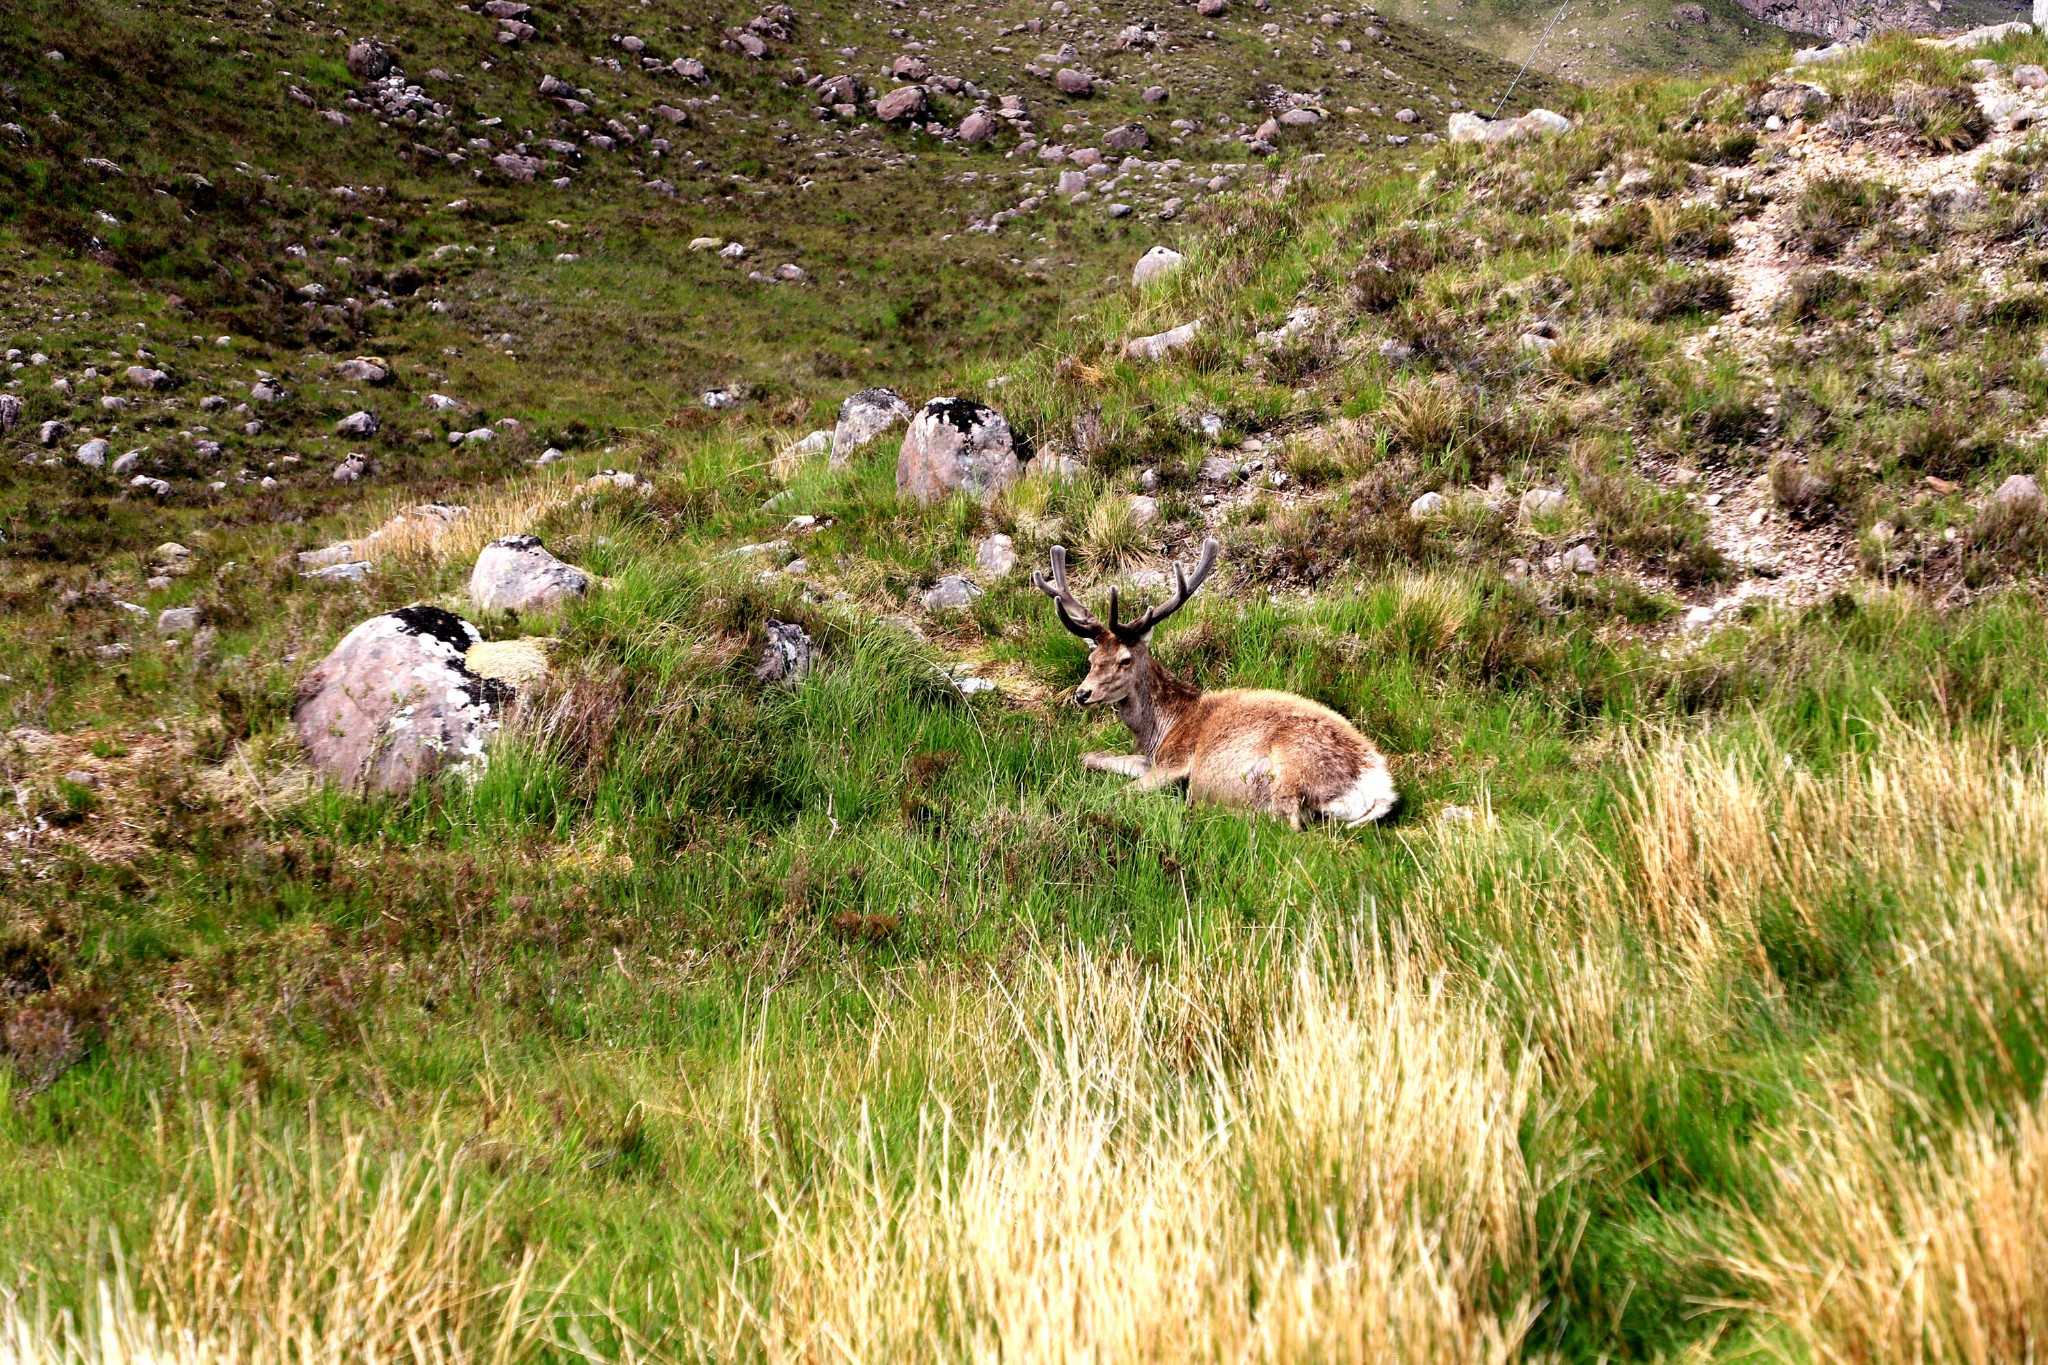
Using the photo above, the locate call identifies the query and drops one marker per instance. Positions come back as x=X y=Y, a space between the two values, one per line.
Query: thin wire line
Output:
x=1532 y=57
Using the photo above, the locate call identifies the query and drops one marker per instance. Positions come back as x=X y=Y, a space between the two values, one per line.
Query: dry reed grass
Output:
x=1875 y=1253
x=1349 y=1188
x=506 y=509
x=266 y=1254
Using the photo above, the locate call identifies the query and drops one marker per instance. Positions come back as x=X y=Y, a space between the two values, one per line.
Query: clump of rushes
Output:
x=1424 y=415
x=1112 y=538
x=1944 y=118
x=1833 y=211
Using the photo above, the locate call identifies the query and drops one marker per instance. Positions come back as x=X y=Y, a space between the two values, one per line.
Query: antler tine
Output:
x=1065 y=605
x=1113 y=627
x=1183 y=588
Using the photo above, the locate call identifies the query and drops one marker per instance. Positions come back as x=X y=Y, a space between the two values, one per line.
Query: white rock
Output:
x=93 y=453
x=396 y=702
x=956 y=445
x=177 y=621
x=864 y=418
x=996 y=556
x=1163 y=343
x=516 y=573
x=1156 y=264
x=2019 y=491
x=1580 y=559
x=951 y=593
x=1428 y=505
x=1542 y=502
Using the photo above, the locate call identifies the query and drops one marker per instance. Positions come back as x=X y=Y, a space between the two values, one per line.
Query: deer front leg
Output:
x=1162 y=775
x=1130 y=765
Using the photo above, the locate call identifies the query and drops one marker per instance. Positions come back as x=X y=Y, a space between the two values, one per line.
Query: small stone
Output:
x=177 y=621
x=93 y=453
x=1156 y=264
x=864 y=418
x=1429 y=505
x=126 y=463
x=1163 y=343
x=1580 y=559
x=788 y=655
x=903 y=106
x=1542 y=502
x=363 y=370
x=357 y=424
x=2020 y=492
x=516 y=573
x=1144 y=510
x=996 y=556
x=1077 y=84
x=951 y=593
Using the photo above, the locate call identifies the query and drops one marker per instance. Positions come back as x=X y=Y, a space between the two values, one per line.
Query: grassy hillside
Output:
x=1686 y=1008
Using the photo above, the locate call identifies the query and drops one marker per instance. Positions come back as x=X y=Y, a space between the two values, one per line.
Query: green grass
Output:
x=700 y=973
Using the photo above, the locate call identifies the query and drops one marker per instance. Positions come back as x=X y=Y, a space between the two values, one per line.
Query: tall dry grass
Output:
x=397 y=532
x=272 y=1253
x=1876 y=1253
x=1338 y=1178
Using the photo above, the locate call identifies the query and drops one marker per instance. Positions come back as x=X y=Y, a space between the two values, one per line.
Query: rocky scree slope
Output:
x=282 y=258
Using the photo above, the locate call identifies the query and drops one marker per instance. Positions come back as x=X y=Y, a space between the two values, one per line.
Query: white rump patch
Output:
x=1368 y=799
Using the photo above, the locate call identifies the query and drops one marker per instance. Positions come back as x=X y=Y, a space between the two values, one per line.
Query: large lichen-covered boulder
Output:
x=956 y=445
x=516 y=573
x=396 y=703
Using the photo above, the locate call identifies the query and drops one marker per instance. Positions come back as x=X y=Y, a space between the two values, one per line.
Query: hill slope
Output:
x=1661 y=496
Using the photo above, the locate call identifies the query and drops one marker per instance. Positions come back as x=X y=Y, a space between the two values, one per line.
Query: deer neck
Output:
x=1155 y=703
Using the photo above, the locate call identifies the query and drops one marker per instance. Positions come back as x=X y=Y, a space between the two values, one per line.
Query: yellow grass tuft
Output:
x=266 y=1255
x=407 y=534
x=1352 y=1190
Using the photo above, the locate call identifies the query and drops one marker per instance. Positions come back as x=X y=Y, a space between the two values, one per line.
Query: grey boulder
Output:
x=358 y=424
x=517 y=573
x=956 y=445
x=177 y=621
x=864 y=418
x=951 y=593
x=396 y=702
x=1156 y=264
x=788 y=655
x=363 y=370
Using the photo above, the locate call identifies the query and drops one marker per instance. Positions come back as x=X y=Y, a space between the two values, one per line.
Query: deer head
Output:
x=1119 y=653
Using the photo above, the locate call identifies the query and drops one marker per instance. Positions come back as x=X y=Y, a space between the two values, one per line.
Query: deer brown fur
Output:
x=1257 y=750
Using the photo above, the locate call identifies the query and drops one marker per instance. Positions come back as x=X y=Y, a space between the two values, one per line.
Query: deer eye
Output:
x=1124 y=662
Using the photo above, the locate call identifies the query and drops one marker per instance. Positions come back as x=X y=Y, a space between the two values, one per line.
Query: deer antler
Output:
x=1072 y=614
x=1184 y=587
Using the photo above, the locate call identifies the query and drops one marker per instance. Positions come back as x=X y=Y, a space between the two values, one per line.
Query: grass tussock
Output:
x=1338 y=1178
x=294 y=1253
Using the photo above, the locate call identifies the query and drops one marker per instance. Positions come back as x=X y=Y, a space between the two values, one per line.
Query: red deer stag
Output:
x=1269 y=751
